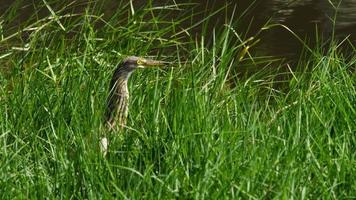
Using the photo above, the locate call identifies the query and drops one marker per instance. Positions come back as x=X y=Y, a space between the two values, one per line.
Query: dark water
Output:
x=311 y=20
x=307 y=18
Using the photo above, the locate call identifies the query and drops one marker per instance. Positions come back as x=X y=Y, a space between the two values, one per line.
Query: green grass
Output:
x=194 y=130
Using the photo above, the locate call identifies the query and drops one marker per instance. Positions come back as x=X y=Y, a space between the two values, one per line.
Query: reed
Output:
x=194 y=131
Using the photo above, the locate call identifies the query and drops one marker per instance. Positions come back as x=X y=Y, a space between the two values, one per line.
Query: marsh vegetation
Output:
x=201 y=129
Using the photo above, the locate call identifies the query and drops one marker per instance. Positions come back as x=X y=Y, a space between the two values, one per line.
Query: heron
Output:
x=117 y=105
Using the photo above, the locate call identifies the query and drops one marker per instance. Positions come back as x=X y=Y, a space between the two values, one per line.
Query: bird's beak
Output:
x=145 y=63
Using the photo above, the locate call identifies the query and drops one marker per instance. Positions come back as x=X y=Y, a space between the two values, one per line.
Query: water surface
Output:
x=307 y=18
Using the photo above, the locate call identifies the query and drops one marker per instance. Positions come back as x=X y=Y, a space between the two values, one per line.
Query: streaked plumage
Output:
x=118 y=98
x=117 y=102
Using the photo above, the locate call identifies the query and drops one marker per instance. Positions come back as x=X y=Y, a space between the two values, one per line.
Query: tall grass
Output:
x=194 y=129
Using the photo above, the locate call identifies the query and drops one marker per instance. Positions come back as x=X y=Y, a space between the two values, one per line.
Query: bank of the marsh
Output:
x=194 y=129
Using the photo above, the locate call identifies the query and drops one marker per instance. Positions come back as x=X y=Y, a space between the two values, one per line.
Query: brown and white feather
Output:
x=117 y=103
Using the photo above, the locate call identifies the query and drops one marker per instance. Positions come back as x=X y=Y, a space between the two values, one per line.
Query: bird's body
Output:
x=117 y=103
x=118 y=99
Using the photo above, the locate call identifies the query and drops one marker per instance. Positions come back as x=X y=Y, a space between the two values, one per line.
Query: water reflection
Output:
x=304 y=17
x=309 y=19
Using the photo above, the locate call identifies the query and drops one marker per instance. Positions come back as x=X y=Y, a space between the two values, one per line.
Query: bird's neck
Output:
x=119 y=81
x=122 y=73
x=122 y=88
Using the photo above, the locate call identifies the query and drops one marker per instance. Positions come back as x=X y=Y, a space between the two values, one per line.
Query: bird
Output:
x=117 y=104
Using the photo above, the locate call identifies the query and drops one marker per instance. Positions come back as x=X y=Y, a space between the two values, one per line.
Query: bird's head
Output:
x=131 y=63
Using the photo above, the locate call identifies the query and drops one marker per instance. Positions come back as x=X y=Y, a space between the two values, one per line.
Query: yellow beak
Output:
x=144 y=63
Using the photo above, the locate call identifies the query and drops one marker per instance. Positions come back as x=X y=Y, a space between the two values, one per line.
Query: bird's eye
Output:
x=139 y=62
